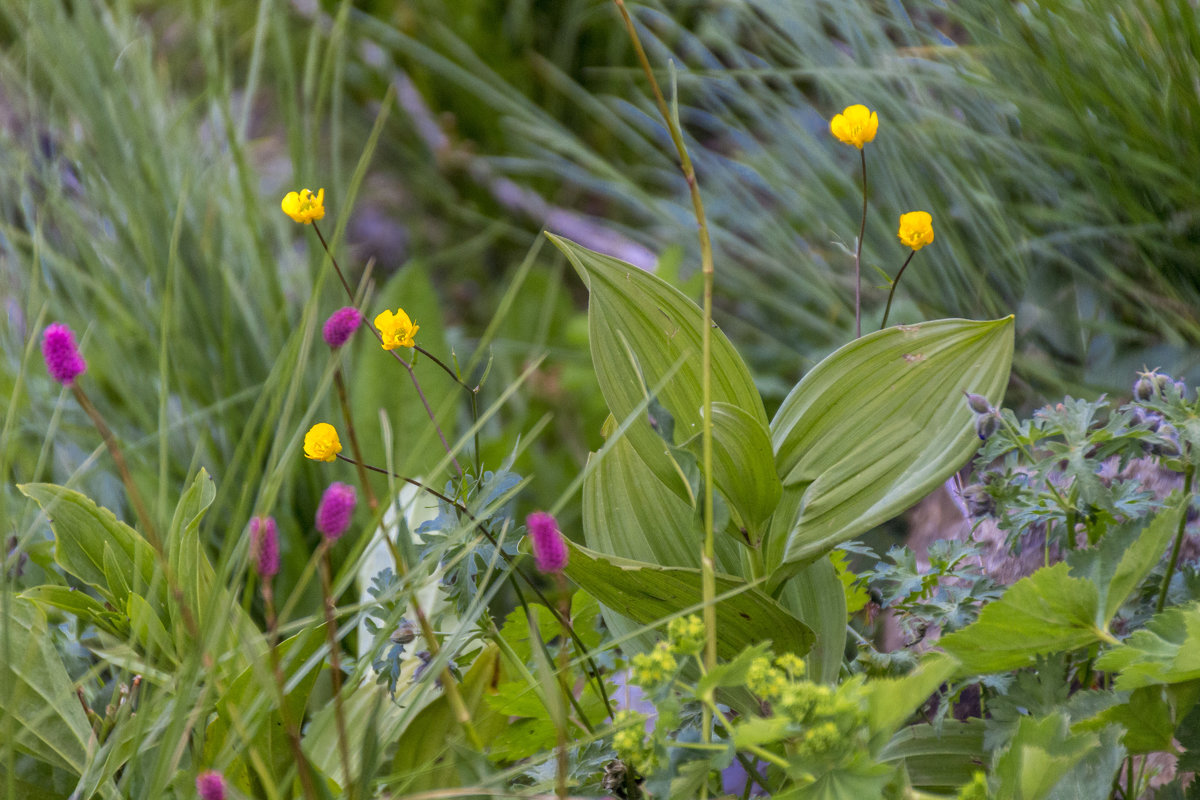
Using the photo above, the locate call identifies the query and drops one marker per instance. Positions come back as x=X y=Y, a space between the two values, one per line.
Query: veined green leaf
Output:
x=648 y=593
x=37 y=698
x=743 y=469
x=878 y=425
x=641 y=328
x=1048 y=612
x=82 y=531
x=1167 y=650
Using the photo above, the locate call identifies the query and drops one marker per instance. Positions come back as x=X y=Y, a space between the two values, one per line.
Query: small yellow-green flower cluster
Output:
x=321 y=443
x=687 y=635
x=396 y=330
x=856 y=125
x=630 y=742
x=304 y=206
x=652 y=670
x=829 y=723
x=916 y=229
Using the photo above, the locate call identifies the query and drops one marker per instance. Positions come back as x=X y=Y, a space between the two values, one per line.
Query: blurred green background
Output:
x=146 y=147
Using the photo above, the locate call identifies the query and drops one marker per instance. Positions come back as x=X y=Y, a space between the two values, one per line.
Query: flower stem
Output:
x=344 y=400
x=708 y=579
x=1189 y=473
x=862 y=231
x=335 y=668
x=303 y=768
x=892 y=292
x=564 y=681
x=336 y=268
x=114 y=450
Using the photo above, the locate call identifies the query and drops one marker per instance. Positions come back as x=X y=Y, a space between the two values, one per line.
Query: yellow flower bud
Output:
x=916 y=229
x=304 y=206
x=321 y=443
x=397 y=329
x=856 y=125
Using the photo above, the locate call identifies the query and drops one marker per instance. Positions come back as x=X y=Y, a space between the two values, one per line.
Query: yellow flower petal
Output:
x=321 y=443
x=304 y=206
x=916 y=229
x=856 y=125
x=396 y=330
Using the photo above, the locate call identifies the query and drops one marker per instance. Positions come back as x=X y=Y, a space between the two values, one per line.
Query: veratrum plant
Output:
x=868 y=432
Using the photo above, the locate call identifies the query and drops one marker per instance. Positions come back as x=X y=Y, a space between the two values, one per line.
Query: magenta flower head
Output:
x=264 y=546
x=549 y=548
x=210 y=785
x=62 y=356
x=341 y=325
x=336 y=510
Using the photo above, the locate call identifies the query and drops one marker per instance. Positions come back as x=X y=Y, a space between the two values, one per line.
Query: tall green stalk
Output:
x=708 y=580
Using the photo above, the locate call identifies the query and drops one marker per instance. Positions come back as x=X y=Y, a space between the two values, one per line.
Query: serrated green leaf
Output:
x=730 y=673
x=855 y=590
x=37 y=699
x=743 y=468
x=1146 y=720
x=74 y=601
x=878 y=425
x=1167 y=650
x=1123 y=559
x=1041 y=753
x=648 y=593
x=642 y=329
x=1048 y=612
x=760 y=730
x=82 y=530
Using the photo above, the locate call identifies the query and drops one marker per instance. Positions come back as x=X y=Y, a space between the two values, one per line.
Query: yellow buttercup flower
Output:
x=856 y=125
x=396 y=329
x=916 y=229
x=321 y=443
x=304 y=206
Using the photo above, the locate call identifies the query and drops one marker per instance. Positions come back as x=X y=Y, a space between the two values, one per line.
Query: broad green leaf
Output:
x=1147 y=719
x=743 y=469
x=942 y=757
x=641 y=329
x=891 y=701
x=1093 y=775
x=82 y=530
x=37 y=698
x=1048 y=612
x=1167 y=650
x=814 y=594
x=853 y=782
x=1123 y=558
x=148 y=631
x=630 y=513
x=1041 y=753
x=878 y=425
x=647 y=593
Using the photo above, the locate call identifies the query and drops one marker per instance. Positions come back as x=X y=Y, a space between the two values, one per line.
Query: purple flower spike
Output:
x=549 y=549
x=264 y=546
x=336 y=510
x=341 y=325
x=62 y=356
x=210 y=785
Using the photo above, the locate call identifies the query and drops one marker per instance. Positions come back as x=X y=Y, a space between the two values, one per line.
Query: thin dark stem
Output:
x=862 y=231
x=290 y=728
x=344 y=399
x=1189 y=473
x=337 y=269
x=114 y=450
x=892 y=293
x=335 y=668
x=564 y=621
x=411 y=373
